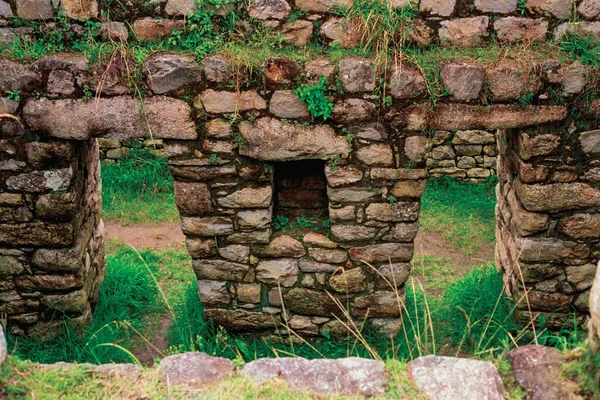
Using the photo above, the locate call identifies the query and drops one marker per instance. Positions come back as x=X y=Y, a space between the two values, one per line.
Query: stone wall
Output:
x=227 y=142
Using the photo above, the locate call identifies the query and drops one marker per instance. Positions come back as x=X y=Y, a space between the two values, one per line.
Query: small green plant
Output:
x=280 y=222
x=238 y=140
x=88 y=94
x=13 y=95
x=304 y=222
x=586 y=49
x=326 y=224
x=391 y=199
x=350 y=138
x=315 y=97
x=213 y=158
x=526 y=99
x=333 y=164
x=523 y=7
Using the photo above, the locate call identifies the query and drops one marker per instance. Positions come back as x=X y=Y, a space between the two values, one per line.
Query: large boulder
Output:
x=195 y=369
x=167 y=72
x=269 y=139
x=16 y=76
x=345 y=376
x=117 y=117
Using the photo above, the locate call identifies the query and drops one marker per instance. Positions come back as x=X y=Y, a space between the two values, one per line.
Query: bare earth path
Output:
x=163 y=236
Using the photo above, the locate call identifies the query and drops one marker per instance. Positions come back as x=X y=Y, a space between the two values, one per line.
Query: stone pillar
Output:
x=548 y=222
x=51 y=235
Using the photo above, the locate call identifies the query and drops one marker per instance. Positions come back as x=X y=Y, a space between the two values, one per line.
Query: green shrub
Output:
x=586 y=49
x=315 y=97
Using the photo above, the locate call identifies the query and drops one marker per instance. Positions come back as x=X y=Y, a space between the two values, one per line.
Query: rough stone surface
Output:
x=590 y=9
x=406 y=83
x=514 y=29
x=297 y=33
x=269 y=139
x=282 y=271
x=119 y=117
x=357 y=75
x=467 y=32
x=463 y=81
x=195 y=369
x=35 y=9
x=560 y=9
x=167 y=72
x=320 y=6
x=16 y=76
x=269 y=9
x=222 y=102
x=442 y=8
x=180 y=7
x=496 y=6
x=346 y=376
x=149 y=28
x=80 y=9
x=285 y=104
x=456 y=378
x=353 y=110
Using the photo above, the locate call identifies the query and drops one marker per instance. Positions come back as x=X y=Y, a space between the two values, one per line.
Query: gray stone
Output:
x=463 y=81
x=318 y=239
x=442 y=8
x=80 y=10
x=342 y=176
x=496 y=6
x=353 y=110
x=402 y=211
x=406 y=83
x=197 y=369
x=537 y=369
x=474 y=137
x=392 y=276
x=352 y=233
x=285 y=104
x=466 y=163
x=560 y=9
x=201 y=248
x=445 y=152
x=549 y=249
x=5 y=12
x=235 y=252
x=242 y=320
x=345 y=376
x=320 y=6
x=193 y=198
x=217 y=68
x=371 y=131
x=16 y=76
x=35 y=9
x=220 y=270
x=466 y=32
x=73 y=302
x=285 y=246
x=357 y=75
x=168 y=72
x=248 y=198
x=590 y=141
x=590 y=9
x=41 y=181
x=297 y=33
x=328 y=256
x=402 y=232
x=115 y=117
x=206 y=226
x=351 y=195
x=376 y=154
x=61 y=82
x=515 y=29
x=220 y=102
x=269 y=139
x=180 y=7
x=381 y=253
x=282 y=272
x=115 y=31
x=213 y=293
x=347 y=34
x=349 y=281
x=380 y=304
x=456 y=378
x=468 y=149
x=259 y=219
x=269 y=9
x=308 y=266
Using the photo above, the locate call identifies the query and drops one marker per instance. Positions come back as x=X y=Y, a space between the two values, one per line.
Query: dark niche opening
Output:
x=301 y=189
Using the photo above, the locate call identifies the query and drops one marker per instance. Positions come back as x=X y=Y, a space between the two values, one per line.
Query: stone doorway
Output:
x=300 y=189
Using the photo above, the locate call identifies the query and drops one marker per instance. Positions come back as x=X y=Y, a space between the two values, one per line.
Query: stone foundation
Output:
x=229 y=134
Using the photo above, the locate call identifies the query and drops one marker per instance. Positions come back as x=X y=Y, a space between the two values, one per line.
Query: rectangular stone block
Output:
x=37 y=234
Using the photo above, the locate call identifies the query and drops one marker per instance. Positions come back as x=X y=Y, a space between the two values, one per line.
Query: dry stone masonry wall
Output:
x=230 y=136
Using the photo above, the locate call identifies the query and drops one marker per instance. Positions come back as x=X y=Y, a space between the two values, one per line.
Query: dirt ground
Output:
x=163 y=236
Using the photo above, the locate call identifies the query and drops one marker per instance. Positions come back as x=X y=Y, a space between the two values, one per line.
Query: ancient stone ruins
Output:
x=241 y=153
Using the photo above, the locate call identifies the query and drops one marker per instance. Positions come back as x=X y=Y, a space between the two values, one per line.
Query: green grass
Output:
x=462 y=212
x=139 y=189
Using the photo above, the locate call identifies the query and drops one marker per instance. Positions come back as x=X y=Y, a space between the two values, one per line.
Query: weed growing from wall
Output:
x=319 y=105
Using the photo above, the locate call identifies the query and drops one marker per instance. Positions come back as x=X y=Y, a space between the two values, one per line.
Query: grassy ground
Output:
x=139 y=189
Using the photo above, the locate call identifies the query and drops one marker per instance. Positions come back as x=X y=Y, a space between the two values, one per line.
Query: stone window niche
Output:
x=300 y=189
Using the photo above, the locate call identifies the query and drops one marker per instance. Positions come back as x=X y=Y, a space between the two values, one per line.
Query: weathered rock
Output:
x=497 y=116
x=61 y=82
x=218 y=129
x=514 y=29
x=463 y=81
x=557 y=197
x=549 y=249
x=380 y=253
x=16 y=76
x=201 y=248
x=328 y=256
x=346 y=376
x=402 y=232
x=353 y=110
x=149 y=28
x=206 y=226
x=401 y=211
x=197 y=369
x=167 y=72
x=456 y=378
x=285 y=104
x=114 y=31
x=406 y=83
x=269 y=139
x=193 y=198
x=282 y=272
x=220 y=270
x=259 y=219
x=5 y=12
x=235 y=252
x=241 y=320
x=342 y=176
x=581 y=226
x=221 y=102
x=248 y=198
x=81 y=10
x=467 y=32
x=352 y=233
x=320 y=6
x=120 y=117
x=35 y=9
x=590 y=9
x=217 y=68
x=180 y=7
x=496 y=6
x=318 y=239
x=442 y=8
x=320 y=67
x=370 y=131
x=376 y=154
x=70 y=302
x=310 y=302
x=590 y=142
x=248 y=292
x=307 y=265
x=297 y=33
x=506 y=81
x=357 y=75
x=41 y=181
x=392 y=276
x=350 y=195
x=346 y=33
x=269 y=9
x=285 y=246
x=473 y=137
x=213 y=293
x=537 y=371
x=380 y=304
x=349 y=281
x=560 y=9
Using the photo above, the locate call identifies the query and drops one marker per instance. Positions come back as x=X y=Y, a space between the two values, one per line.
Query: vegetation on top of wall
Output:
x=586 y=49
x=319 y=105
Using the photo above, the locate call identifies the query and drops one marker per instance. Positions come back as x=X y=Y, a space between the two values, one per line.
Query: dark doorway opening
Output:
x=301 y=189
